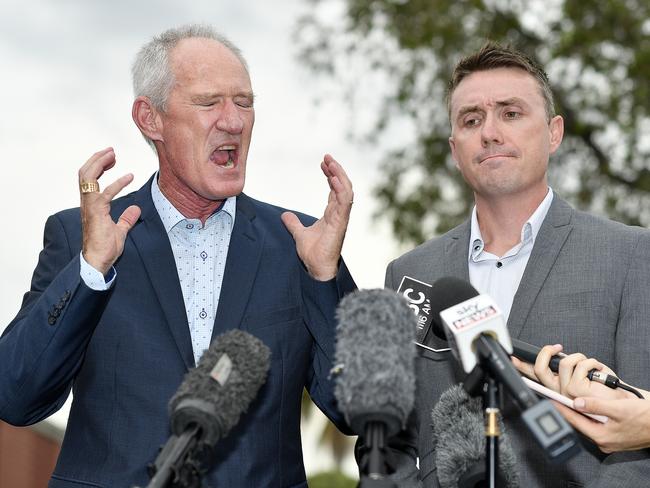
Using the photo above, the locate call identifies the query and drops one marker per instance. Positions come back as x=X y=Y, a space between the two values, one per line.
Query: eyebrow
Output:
x=501 y=103
x=207 y=97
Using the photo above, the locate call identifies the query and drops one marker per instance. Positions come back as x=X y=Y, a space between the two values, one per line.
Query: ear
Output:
x=452 y=146
x=147 y=118
x=556 y=128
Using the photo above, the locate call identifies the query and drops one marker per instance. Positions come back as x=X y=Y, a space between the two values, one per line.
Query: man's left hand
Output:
x=319 y=245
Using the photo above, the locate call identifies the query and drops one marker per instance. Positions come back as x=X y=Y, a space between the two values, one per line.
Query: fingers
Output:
x=542 y=370
x=292 y=223
x=577 y=420
x=128 y=218
x=338 y=181
x=99 y=162
x=117 y=186
x=524 y=368
x=566 y=372
x=102 y=238
x=599 y=406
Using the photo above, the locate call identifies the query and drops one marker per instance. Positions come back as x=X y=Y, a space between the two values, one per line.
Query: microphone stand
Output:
x=492 y=431
x=179 y=463
x=481 y=382
x=377 y=462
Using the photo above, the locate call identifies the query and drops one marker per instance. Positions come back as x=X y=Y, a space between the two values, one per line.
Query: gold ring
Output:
x=89 y=187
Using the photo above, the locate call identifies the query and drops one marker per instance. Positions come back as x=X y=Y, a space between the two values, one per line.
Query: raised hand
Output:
x=319 y=245
x=103 y=239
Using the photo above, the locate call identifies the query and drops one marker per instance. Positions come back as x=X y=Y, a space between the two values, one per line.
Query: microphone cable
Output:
x=612 y=381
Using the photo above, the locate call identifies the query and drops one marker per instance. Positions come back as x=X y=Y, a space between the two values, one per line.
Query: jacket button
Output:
x=51 y=320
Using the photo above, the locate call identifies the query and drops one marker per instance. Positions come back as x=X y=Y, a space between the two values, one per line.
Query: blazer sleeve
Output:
x=632 y=352
x=320 y=299
x=42 y=349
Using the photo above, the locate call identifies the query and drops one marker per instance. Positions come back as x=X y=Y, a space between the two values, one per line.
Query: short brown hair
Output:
x=493 y=55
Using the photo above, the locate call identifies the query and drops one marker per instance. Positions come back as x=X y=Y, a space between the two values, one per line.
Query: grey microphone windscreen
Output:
x=459 y=436
x=219 y=390
x=375 y=334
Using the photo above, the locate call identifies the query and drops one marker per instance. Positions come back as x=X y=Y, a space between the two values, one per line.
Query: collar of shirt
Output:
x=529 y=231
x=170 y=215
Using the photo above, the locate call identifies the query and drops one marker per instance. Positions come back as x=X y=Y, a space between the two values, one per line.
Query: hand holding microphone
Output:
x=628 y=424
x=576 y=375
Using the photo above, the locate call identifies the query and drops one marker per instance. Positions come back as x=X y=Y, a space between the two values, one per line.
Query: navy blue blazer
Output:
x=124 y=352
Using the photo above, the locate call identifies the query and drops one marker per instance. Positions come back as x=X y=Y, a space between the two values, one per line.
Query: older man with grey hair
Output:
x=128 y=293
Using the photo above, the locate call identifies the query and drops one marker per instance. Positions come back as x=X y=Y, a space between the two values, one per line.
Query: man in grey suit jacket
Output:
x=558 y=274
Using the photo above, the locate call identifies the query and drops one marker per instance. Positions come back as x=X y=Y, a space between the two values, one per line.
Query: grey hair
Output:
x=151 y=72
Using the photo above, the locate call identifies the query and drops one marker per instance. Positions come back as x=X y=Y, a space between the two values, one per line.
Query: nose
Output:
x=230 y=120
x=490 y=131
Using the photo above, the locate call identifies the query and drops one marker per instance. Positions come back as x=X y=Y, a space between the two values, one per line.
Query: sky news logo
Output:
x=472 y=315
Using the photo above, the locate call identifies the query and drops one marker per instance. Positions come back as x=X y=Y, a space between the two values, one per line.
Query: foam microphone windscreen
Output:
x=459 y=436
x=375 y=334
x=219 y=390
x=445 y=293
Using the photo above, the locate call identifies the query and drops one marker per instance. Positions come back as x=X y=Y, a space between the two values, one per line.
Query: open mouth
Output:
x=225 y=156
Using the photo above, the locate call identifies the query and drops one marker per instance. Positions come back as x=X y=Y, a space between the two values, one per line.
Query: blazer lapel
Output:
x=152 y=243
x=244 y=253
x=456 y=253
x=550 y=239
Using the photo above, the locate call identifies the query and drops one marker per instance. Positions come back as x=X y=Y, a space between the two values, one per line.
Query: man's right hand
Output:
x=103 y=239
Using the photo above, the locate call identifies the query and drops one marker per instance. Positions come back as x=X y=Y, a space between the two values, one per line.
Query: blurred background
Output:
x=362 y=79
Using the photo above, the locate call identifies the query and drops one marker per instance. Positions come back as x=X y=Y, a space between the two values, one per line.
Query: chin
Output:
x=228 y=190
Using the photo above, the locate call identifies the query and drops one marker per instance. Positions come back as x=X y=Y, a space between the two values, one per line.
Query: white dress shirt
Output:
x=499 y=277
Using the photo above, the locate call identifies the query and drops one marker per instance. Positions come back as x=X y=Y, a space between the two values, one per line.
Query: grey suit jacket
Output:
x=586 y=286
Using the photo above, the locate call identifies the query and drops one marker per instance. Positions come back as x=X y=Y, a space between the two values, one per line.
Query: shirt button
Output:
x=499 y=264
x=189 y=226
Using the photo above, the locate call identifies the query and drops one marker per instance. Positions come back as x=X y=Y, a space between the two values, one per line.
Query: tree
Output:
x=596 y=53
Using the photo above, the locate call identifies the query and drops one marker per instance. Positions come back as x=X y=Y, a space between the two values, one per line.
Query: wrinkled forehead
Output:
x=197 y=59
x=486 y=89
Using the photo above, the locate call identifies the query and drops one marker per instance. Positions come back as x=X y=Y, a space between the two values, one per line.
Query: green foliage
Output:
x=331 y=479
x=597 y=55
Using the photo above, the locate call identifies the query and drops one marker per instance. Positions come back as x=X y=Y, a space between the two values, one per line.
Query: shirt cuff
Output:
x=93 y=278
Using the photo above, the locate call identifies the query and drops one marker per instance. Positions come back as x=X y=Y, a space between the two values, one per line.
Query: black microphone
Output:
x=451 y=292
x=459 y=435
x=528 y=352
x=207 y=404
x=375 y=384
x=472 y=323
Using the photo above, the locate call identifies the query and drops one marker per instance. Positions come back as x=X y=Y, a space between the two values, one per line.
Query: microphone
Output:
x=418 y=295
x=459 y=434
x=375 y=386
x=528 y=352
x=476 y=324
x=207 y=404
